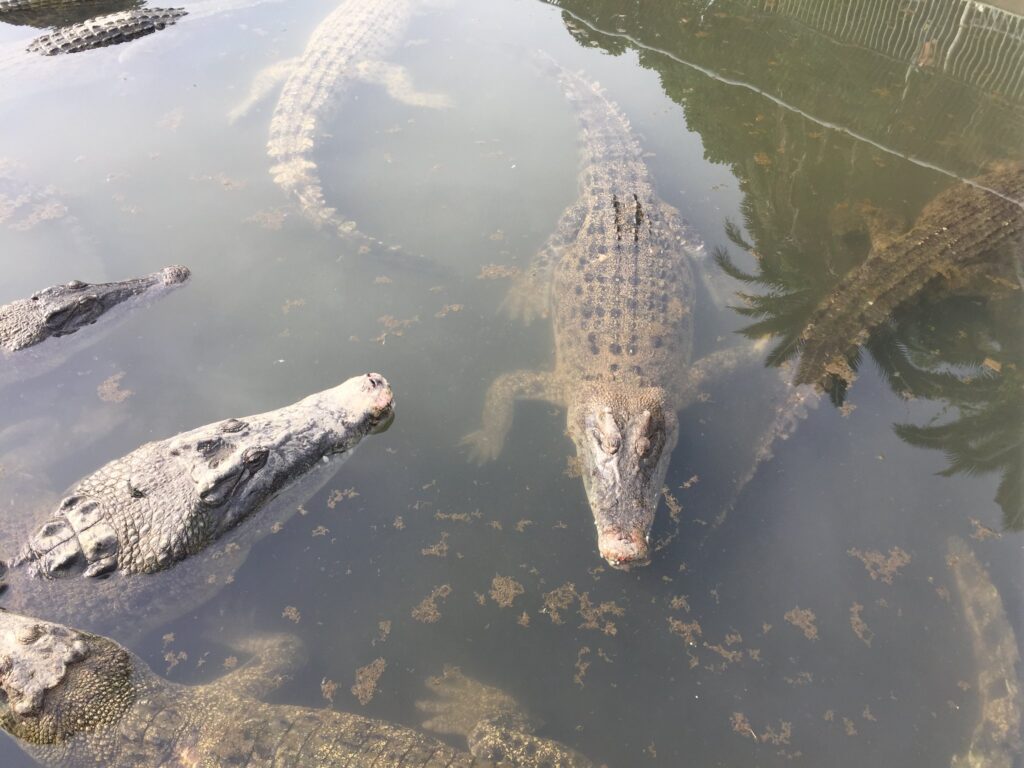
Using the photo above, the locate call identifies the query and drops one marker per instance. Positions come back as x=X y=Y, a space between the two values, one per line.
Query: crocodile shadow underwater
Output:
x=812 y=391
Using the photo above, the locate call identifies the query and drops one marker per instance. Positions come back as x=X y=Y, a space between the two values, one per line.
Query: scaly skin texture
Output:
x=75 y=699
x=996 y=741
x=345 y=46
x=106 y=552
x=964 y=233
x=34 y=332
x=101 y=31
x=616 y=280
x=59 y=13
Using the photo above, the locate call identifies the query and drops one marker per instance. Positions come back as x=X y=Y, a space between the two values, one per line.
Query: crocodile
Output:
x=347 y=45
x=59 y=13
x=101 y=31
x=107 y=551
x=71 y=698
x=616 y=280
x=996 y=740
x=39 y=333
x=965 y=233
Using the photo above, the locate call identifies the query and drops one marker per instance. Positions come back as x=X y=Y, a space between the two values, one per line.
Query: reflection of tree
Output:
x=839 y=272
x=987 y=433
x=942 y=323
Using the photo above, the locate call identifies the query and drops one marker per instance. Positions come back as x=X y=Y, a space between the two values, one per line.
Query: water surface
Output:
x=805 y=138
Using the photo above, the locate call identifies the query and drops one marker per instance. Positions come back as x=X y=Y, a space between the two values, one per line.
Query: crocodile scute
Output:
x=101 y=31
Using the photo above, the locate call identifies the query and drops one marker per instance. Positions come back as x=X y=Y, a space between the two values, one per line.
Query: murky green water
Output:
x=811 y=134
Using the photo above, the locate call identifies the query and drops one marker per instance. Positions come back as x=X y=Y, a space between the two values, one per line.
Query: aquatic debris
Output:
x=440 y=549
x=337 y=496
x=110 y=390
x=291 y=304
x=688 y=630
x=496 y=272
x=881 y=567
x=781 y=737
x=859 y=626
x=803 y=619
x=327 y=689
x=523 y=620
x=383 y=630
x=427 y=610
x=365 y=687
x=504 y=591
x=270 y=219
x=448 y=309
x=981 y=531
x=582 y=665
x=292 y=613
x=594 y=615
x=558 y=600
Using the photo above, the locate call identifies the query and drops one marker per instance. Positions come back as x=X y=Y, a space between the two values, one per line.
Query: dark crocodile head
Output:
x=624 y=442
x=64 y=309
x=171 y=499
x=56 y=681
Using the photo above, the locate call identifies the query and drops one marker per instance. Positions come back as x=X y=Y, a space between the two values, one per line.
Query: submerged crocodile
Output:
x=59 y=13
x=996 y=741
x=346 y=46
x=106 y=552
x=101 y=31
x=75 y=699
x=964 y=233
x=38 y=333
x=616 y=279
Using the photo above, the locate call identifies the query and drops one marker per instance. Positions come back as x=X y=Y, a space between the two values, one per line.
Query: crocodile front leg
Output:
x=398 y=84
x=275 y=659
x=530 y=295
x=486 y=443
x=493 y=724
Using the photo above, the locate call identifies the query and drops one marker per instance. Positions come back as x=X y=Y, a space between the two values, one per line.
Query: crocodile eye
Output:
x=254 y=458
x=608 y=436
x=75 y=285
x=208 y=446
x=233 y=425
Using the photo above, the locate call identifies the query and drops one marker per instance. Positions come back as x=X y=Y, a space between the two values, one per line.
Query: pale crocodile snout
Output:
x=382 y=408
x=175 y=274
x=623 y=550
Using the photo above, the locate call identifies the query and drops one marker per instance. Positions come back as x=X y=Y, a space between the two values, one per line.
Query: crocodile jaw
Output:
x=624 y=445
x=171 y=499
x=65 y=309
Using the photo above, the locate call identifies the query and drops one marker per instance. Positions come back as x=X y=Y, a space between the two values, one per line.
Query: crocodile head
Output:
x=56 y=681
x=65 y=309
x=171 y=499
x=624 y=443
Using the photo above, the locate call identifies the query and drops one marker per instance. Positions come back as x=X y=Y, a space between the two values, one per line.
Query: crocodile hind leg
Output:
x=486 y=443
x=714 y=366
x=530 y=296
x=493 y=724
x=275 y=659
x=398 y=84
x=265 y=81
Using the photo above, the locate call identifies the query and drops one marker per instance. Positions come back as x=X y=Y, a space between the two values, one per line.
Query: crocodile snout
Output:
x=623 y=550
x=382 y=409
x=175 y=274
